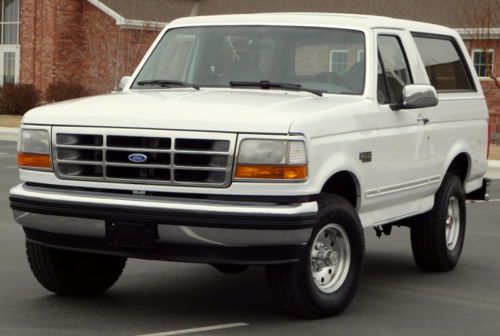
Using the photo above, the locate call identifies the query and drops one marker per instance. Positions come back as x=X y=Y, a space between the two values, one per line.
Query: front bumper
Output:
x=194 y=230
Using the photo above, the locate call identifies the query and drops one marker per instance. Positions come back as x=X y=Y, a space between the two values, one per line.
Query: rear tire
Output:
x=437 y=237
x=71 y=273
x=327 y=276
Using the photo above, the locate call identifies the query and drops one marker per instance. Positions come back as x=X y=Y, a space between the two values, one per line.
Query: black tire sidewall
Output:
x=339 y=212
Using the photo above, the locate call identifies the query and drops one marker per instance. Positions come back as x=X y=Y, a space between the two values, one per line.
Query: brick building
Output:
x=95 y=42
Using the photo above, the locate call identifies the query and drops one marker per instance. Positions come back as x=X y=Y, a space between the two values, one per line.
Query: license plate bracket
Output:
x=131 y=234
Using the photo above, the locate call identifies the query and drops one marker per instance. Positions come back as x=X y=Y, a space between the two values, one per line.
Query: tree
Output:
x=111 y=51
x=479 y=18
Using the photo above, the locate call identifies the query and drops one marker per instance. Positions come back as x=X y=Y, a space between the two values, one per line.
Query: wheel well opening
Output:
x=343 y=184
x=460 y=166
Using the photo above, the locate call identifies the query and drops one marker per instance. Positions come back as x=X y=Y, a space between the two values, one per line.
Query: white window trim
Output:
x=338 y=51
x=476 y=50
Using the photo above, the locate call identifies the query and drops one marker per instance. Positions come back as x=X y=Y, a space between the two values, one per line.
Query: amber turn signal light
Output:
x=34 y=160
x=271 y=172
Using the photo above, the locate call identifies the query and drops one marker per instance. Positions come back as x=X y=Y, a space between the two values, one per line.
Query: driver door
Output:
x=403 y=147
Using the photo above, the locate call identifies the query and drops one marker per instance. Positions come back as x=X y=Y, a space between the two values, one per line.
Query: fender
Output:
x=336 y=164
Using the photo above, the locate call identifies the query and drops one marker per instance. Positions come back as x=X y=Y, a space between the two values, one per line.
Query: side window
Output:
x=394 y=68
x=444 y=63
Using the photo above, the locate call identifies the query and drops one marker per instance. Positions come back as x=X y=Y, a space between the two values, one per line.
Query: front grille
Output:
x=162 y=157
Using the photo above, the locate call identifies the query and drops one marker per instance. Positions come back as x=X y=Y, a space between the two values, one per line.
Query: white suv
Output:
x=269 y=139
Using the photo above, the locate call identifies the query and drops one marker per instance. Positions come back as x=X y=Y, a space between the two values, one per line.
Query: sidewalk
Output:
x=9 y=133
x=493 y=169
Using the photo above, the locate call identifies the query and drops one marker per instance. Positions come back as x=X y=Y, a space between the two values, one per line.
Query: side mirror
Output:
x=417 y=96
x=124 y=82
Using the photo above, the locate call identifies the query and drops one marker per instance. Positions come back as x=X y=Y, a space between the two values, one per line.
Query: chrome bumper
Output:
x=192 y=222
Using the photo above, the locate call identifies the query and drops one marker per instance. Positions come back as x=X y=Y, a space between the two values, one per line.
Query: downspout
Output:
x=118 y=51
x=196 y=6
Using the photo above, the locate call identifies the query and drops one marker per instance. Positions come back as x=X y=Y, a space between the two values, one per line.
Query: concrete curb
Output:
x=9 y=133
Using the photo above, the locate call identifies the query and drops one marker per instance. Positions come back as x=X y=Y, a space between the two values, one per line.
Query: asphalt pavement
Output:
x=395 y=298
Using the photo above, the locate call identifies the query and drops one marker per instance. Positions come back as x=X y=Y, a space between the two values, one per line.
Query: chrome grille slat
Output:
x=132 y=149
x=200 y=168
x=199 y=152
x=92 y=163
x=142 y=165
x=79 y=147
x=198 y=159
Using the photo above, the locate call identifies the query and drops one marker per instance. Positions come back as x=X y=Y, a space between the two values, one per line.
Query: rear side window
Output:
x=444 y=63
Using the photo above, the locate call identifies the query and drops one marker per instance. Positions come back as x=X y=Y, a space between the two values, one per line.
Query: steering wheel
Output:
x=332 y=78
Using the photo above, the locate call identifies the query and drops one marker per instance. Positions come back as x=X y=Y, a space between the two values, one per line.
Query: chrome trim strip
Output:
x=402 y=187
x=149 y=202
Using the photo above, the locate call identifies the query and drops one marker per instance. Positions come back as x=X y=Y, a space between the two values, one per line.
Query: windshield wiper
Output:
x=271 y=85
x=167 y=83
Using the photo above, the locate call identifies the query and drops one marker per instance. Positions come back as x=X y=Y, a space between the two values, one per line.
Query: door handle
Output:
x=423 y=119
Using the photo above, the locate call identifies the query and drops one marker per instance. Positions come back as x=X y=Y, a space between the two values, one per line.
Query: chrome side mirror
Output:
x=124 y=82
x=417 y=96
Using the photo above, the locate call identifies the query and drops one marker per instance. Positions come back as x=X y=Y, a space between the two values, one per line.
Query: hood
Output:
x=229 y=110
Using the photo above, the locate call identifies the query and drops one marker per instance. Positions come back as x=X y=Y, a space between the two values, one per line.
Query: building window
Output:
x=9 y=67
x=9 y=22
x=9 y=41
x=339 y=61
x=483 y=62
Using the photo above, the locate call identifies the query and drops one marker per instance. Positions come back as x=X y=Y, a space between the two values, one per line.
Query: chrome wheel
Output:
x=452 y=223
x=330 y=258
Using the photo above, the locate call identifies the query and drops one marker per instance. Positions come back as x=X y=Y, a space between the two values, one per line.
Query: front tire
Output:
x=327 y=276
x=71 y=273
x=437 y=237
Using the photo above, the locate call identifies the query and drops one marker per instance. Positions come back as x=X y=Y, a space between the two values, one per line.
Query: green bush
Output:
x=60 y=91
x=17 y=99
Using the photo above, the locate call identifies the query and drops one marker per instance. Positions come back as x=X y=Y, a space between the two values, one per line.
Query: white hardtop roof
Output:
x=354 y=21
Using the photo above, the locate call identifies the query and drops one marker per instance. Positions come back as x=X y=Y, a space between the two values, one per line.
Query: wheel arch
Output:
x=460 y=164
x=345 y=184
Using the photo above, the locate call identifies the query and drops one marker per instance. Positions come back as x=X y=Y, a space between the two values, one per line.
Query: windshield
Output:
x=323 y=59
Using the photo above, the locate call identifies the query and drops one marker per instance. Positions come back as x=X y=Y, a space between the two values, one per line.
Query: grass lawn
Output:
x=10 y=120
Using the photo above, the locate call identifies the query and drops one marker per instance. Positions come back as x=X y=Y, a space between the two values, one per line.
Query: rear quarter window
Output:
x=444 y=63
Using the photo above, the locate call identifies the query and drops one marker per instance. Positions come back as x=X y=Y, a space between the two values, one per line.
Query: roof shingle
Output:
x=450 y=13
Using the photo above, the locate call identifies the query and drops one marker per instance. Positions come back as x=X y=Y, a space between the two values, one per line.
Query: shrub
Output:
x=60 y=91
x=18 y=98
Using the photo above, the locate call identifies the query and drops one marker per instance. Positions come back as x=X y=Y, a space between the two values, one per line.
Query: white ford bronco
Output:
x=269 y=139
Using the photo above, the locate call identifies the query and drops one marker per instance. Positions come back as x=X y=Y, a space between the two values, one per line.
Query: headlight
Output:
x=34 y=149
x=272 y=159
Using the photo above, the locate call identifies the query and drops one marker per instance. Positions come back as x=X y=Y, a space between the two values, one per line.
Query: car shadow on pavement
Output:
x=197 y=295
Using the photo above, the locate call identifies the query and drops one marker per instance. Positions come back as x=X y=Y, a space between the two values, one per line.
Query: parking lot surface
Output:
x=395 y=298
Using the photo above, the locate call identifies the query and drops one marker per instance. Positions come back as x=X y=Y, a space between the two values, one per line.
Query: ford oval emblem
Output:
x=137 y=157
